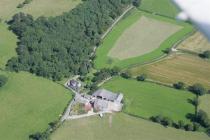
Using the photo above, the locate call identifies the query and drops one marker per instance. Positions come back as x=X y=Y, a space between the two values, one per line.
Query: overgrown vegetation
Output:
x=3 y=80
x=61 y=46
x=21 y=5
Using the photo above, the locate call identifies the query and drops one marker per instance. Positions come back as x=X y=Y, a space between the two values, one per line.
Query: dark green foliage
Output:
x=189 y=127
x=196 y=102
x=61 y=46
x=197 y=89
x=179 y=85
x=205 y=54
x=126 y=75
x=166 y=121
x=181 y=124
x=136 y=3
x=3 y=80
x=142 y=77
x=196 y=126
x=38 y=136
x=202 y=119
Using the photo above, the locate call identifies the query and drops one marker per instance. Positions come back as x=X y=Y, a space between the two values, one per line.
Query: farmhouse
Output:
x=105 y=100
x=74 y=84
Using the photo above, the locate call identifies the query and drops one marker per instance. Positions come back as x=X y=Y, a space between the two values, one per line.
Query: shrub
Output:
x=141 y=77
x=136 y=3
x=196 y=102
x=206 y=54
x=181 y=124
x=3 y=80
x=166 y=121
x=197 y=89
x=126 y=75
x=202 y=119
x=189 y=127
x=196 y=126
x=21 y=5
x=179 y=85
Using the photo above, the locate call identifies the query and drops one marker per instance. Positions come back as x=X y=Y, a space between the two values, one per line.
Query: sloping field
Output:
x=147 y=99
x=195 y=43
x=141 y=38
x=205 y=103
x=103 y=60
x=187 y=68
x=162 y=7
x=36 y=7
x=122 y=127
x=28 y=103
x=7 y=45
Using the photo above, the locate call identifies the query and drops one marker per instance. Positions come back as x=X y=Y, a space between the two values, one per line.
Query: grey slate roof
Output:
x=105 y=94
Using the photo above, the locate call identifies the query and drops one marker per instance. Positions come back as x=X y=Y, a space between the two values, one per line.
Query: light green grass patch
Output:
x=143 y=37
x=205 y=103
x=102 y=60
x=7 y=45
x=120 y=127
x=28 y=103
x=36 y=8
x=162 y=7
x=146 y=99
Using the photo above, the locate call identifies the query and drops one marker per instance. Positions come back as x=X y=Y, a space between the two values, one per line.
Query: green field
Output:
x=122 y=127
x=139 y=38
x=36 y=8
x=204 y=104
x=28 y=103
x=7 y=44
x=162 y=7
x=147 y=99
x=102 y=59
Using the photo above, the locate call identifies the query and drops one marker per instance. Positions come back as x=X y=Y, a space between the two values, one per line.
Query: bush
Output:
x=181 y=124
x=126 y=75
x=3 y=80
x=179 y=85
x=202 y=119
x=197 y=89
x=166 y=121
x=196 y=126
x=189 y=127
x=196 y=102
x=141 y=77
x=21 y=5
x=206 y=54
x=136 y=3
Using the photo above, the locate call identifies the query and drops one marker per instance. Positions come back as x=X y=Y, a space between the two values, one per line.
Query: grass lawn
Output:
x=205 y=103
x=162 y=7
x=137 y=39
x=7 y=44
x=122 y=127
x=146 y=99
x=28 y=103
x=102 y=59
x=195 y=43
x=36 y=7
x=186 y=68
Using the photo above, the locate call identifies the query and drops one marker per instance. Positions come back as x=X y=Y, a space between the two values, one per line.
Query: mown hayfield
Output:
x=122 y=127
x=187 y=68
x=146 y=99
x=102 y=58
x=141 y=38
x=28 y=103
x=162 y=7
x=195 y=43
x=7 y=44
x=205 y=103
x=37 y=7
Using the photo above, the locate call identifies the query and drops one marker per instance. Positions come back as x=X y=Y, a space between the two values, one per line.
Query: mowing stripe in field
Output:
x=102 y=60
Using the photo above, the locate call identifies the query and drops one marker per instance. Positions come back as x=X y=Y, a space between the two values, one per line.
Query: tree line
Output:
x=57 y=47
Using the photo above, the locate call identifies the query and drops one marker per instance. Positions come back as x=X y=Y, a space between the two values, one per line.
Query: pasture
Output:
x=7 y=45
x=122 y=127
x=136 y=40
x=146 y=99
x=36 y=8
x=150 y=44
x=28 y=103
x=187 y=68
x=196 y=43
x=204 y=103
x=161 y=7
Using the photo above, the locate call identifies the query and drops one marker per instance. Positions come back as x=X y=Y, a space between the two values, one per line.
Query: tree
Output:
x=197 y=89
x=3 y=80
x=189 y=127
x=179 y=85
x=126 y=75
x=206 y=54
x=196 y=102
x=141 y=77
x=166 y=121
x=196 y=126
x=136 y=3
x=181 y=124
x=202 y=118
